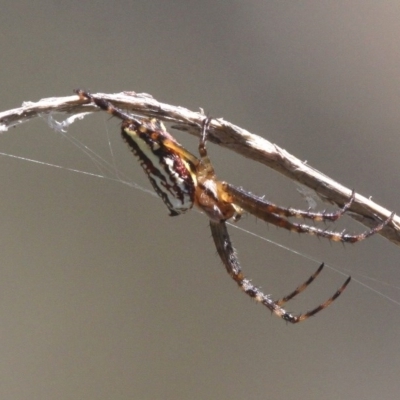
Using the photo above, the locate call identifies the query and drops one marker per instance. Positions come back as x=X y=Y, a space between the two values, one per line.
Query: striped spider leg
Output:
x=275 y=215
x=269 y=212
x=183 y=180
x=229 y=258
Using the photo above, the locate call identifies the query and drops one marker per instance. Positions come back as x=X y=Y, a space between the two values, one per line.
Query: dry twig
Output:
x=224 y=134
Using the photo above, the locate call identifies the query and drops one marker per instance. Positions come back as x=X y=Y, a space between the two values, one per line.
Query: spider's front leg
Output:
x=220 y=205
x=260 y=207
x=229 y=258
x=275 y=215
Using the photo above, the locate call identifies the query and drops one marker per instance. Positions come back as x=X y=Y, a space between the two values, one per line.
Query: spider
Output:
x=182 y=180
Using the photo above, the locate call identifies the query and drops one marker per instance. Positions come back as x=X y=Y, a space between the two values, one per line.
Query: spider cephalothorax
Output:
x=183 y=180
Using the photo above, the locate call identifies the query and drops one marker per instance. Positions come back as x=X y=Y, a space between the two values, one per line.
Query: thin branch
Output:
x=224 y=134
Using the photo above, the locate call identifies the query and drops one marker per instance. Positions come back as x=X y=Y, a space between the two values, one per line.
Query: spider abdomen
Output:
x=168 y=173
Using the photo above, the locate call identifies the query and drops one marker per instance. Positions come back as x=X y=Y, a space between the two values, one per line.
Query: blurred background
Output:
x=103 y=295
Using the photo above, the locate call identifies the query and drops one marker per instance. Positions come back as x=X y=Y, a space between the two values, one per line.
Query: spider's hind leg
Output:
x=108 y=107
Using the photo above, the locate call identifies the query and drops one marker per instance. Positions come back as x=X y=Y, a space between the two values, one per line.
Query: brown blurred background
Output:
x=104 y=296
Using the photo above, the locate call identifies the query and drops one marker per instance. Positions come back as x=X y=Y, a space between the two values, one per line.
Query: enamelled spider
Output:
x=183 y=180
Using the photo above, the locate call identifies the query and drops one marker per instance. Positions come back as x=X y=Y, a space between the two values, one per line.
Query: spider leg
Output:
x=327 y=303
x=229 y=257
x=266 y=211
x=108 y=107
x=254 y=202
x=301 y=287
x=205 y=168
x=331 y=235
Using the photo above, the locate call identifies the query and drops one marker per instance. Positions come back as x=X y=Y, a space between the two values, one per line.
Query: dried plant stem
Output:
x=224 y=134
